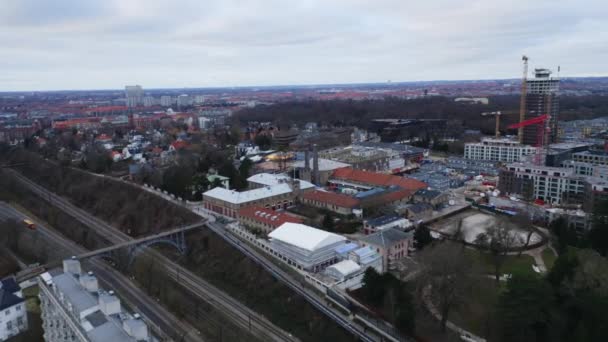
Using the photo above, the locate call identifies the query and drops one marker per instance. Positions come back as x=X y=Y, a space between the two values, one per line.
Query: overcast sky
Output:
x=101 y=44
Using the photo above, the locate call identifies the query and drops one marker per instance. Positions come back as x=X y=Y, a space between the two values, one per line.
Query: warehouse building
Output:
x=305 y=247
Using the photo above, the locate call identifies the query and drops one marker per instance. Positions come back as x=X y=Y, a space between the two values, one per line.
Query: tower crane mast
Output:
x=522 y=102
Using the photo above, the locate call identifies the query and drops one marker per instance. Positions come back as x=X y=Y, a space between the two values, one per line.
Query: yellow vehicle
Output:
x=29 y=224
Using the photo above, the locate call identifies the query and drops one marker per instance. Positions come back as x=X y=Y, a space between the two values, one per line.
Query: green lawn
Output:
x=549 y=257
x=512 y=264
x=31 y=299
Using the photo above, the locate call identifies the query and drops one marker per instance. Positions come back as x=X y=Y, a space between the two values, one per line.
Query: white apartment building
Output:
x=166 y=101
x=149 y=101
x=497 y=149
x=549 y=184
x=13 y=315
x=134 y=95
x=184 y=100
x=74 y=308
x=591 y=157
x=587 y=169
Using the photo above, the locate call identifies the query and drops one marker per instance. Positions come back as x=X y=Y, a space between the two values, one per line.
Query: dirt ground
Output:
x=475 y=222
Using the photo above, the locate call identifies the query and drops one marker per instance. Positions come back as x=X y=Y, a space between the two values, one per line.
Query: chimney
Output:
x=315 y=165
x=72 y=266
x=89 y=282
x=306 y=159
x=136 y=328
x=109 y=303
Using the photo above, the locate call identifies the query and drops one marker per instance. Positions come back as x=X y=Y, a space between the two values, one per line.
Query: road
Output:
x=161 y=321
x=238 y=313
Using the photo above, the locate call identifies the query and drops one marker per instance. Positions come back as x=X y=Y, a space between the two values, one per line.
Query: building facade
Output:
x=13 y=314
x=592 y=157
x=229 y=202
x=555 y=185
x=391 y=244
x=542 y=97
x=497 y=150
x=265 y=220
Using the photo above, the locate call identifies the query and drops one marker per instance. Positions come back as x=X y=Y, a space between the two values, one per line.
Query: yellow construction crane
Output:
x=497 y=116
x=522 y=103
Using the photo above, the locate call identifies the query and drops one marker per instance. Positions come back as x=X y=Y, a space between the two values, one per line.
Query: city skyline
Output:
x=74 y=45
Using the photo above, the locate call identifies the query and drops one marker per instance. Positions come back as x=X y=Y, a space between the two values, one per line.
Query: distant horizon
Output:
x=303 y=85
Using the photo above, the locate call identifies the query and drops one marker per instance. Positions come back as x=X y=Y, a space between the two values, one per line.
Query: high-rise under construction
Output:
x=542 y=97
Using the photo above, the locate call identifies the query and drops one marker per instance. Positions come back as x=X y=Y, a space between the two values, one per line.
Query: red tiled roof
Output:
x=377 y=179
x=331 y=198
x=268 y=216
x=103 y=137
x=394 y=196
x=179 y=144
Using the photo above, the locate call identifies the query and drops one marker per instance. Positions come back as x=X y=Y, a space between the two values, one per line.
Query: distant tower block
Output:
x=315 y=165
x=542 y=98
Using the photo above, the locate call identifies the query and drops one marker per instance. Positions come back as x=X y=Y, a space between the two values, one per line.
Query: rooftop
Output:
x=377 y=179
x=80 y=299
x=304 y=236
x=346 y=267
x=8 y=297
x=236 y=197
x=430 y=194
x=386 y=237
x=268 y=216
x=331 y=198
x=270 y=179
x=324 y=164
x=382 y=220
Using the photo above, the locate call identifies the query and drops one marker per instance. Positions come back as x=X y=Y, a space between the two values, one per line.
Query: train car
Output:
x=29 y=224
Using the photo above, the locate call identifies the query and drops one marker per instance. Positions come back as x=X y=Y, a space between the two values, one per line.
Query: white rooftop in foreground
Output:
x=236 y=197
x=271 y=179
x=346 y=267
x=305 y=237
x=324 y=164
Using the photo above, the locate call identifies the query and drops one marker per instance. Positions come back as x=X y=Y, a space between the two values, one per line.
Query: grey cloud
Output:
x=108 y=43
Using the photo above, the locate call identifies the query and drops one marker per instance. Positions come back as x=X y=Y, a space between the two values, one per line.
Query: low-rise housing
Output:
x=416 y=211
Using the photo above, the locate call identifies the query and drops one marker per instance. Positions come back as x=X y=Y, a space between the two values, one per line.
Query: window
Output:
x=18 y=307
x=19 y=320
x=8 y=312
x=9 y=325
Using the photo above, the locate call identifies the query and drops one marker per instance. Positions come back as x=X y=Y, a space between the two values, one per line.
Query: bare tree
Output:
x=459 y=234
x=525 y=223
x=498 y=242
x=447 y=277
